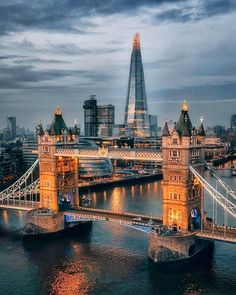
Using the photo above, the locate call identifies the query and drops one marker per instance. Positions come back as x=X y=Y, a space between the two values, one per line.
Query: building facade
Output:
x=105 y=119
x=182 y=193
x=153 y=125
x=11 y=126
x=136 y=117
x=98 y=119
x=90 y=116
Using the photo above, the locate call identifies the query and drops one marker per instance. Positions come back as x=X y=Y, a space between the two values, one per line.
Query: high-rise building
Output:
x=153 y=125
x=28 y=146
x=233 y=123
x=11 y=126
x=98 y=119
x=136 y=117
x=105 y=119
x=90 y=116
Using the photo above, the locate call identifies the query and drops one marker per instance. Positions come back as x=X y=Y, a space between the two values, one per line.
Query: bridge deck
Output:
x=121 y=217
x=218 y=233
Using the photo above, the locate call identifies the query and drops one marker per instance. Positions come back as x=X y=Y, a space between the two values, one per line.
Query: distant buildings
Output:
x=136 y=117
x=10 y=162
x=233 y=123
x=28 y=157
x=98 y=119
x=11 y=126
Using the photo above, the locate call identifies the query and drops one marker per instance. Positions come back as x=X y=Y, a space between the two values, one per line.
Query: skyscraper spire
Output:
x=136 y=118
x=136 y=42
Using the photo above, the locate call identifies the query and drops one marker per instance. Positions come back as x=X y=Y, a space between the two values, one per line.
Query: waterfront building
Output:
x=10 y=162
x=136 y=117
x=214 y=147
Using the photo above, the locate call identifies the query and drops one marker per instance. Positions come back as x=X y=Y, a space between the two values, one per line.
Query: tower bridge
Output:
x=181 y=231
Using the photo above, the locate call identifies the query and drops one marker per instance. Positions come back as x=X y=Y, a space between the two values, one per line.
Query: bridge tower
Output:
x=58 y=175
x=182 y=193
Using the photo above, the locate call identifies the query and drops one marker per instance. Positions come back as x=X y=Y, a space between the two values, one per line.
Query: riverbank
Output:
x=134 y=179
x=226 y=159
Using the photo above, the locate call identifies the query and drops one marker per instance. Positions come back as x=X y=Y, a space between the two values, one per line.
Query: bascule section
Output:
x=182 y=193
x=58 y=175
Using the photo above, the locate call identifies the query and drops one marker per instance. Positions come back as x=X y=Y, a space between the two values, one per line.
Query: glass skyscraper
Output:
x=136 y=119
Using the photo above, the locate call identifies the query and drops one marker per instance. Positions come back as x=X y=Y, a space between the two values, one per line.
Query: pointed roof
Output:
x=58 y=124
x=76 y=130
x=201 y=130
x=184 y=124
x=166 y=131
x=40 y=129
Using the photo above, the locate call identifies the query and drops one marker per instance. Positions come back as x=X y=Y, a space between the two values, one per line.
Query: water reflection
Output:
x=108 y=259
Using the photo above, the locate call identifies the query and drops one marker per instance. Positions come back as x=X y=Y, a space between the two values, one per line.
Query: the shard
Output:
x=136 y=112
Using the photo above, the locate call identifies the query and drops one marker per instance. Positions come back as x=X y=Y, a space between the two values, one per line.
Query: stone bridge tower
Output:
x=58 y=175
x=182 y=193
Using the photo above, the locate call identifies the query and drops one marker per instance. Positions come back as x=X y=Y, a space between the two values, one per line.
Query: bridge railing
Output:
x=131 y=214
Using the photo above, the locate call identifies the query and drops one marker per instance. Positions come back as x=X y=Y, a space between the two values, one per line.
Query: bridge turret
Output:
x=182 y=195
x=58 y=175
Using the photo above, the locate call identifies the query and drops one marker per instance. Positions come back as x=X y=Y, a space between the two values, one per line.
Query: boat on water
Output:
x=233 y=171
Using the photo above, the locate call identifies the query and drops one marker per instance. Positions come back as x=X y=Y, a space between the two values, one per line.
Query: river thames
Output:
x=111 y=258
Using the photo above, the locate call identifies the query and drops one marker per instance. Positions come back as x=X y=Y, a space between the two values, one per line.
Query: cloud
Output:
x=193 y=11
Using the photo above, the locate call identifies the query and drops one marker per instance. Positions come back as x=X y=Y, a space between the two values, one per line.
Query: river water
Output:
x=111 y=258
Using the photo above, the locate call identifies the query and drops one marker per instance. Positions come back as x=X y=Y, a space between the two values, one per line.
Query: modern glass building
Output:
x=136 y=118
x=98 y=119
x=105 y=119
x=90 y=116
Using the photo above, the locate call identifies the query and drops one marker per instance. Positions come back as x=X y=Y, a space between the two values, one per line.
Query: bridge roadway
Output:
x=218 y=233
x=112 y=153
x=82 y=213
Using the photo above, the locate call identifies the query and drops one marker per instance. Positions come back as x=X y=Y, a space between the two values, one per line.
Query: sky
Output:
x=58 y=52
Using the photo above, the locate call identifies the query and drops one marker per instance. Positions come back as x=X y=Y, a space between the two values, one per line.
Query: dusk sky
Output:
x=58 y=52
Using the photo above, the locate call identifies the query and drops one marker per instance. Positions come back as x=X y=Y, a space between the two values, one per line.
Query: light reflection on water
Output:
x=109 y=259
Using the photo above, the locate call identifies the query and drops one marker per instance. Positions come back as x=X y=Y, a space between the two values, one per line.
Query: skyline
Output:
x=60 y=52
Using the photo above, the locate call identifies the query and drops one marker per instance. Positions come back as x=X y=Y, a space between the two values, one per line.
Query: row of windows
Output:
x=195 y=152
x=174 y=214
x=175 y=196
x=175 y=178
x=175 y=153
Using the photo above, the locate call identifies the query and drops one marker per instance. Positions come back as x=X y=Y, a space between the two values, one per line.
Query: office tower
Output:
x=105 y=119
x=136 y=117
x=98 y=119
x=90 y=116
x=153 y=125
x=11 y=126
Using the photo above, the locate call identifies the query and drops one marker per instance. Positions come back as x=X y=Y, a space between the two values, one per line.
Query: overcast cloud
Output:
x=58 y=52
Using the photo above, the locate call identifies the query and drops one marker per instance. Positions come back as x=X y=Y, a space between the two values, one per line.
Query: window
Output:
x=174 y=154
x=175 y=141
